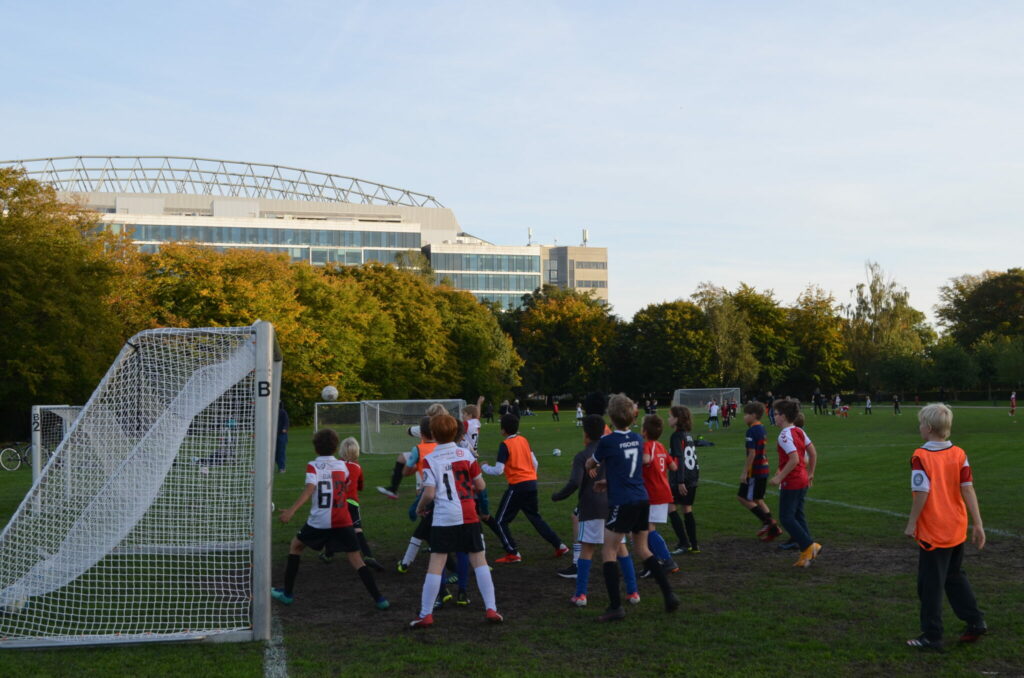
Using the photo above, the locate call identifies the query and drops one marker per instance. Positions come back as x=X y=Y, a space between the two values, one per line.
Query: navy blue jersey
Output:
x=755 y=441
x=622 y=455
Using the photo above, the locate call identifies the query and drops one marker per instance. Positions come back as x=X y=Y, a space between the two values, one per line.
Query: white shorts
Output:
x=658 y=513
x=591 y=532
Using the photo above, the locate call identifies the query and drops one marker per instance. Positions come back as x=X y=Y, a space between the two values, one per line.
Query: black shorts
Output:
x=353 y=510
x=684 y=499
x=422 y=531
x=336 y=539
x=457 y=539
x=625 y=518
x=753 y=489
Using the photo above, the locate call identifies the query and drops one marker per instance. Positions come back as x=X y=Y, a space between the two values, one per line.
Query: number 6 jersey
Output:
x=329 y=477
x=451 y=470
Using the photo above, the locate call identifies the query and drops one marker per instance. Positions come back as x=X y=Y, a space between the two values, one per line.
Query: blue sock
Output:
x=582 y=576
x=462 y=565
x=657 y=544
x=628 y=573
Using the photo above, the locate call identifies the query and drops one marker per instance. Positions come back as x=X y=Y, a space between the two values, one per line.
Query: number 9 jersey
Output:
x=451 y=471
x=329 y=476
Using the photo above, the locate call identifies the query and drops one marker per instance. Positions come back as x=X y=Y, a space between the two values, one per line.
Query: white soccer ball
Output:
x=556 y=452
x=329 y=393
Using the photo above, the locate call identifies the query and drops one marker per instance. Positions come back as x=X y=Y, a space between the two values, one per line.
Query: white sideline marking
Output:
x=275 y=661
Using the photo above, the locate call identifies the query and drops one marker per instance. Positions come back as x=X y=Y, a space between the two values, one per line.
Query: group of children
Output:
x=627 y=484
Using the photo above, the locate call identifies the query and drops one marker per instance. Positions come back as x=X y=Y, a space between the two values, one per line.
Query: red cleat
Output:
x=510 y=558
x=422 y=622
x=493 y=617
x=561 y=551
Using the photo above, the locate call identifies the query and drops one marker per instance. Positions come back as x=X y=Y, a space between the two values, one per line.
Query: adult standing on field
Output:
x=554 y=411
x=1013 y=403
x=896 y=404
x=282 y=437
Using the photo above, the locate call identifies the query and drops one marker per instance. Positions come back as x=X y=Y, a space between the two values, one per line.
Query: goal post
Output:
x=698 y=398
x=50 y=423
x=342 y=416
x=166 y=536
x=384 y=423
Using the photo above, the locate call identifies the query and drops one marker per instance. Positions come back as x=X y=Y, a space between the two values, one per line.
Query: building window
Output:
x=591 y=283
x=592 y=264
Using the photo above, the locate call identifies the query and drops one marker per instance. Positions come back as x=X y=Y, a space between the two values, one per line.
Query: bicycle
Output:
x=11 y=458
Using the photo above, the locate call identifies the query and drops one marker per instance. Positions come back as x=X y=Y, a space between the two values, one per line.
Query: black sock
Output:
x=291 y=569
x=691 y=529
x=396 y=475
x=492 y=523
x=677 y=527
x=368 y=582
x=611 y=582
x=364 y=546
x=762 y=515
x=658 y=572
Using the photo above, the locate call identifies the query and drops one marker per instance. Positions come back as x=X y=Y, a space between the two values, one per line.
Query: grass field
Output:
x=746 y=610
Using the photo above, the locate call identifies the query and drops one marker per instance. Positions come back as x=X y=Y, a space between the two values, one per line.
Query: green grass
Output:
x=746 y=610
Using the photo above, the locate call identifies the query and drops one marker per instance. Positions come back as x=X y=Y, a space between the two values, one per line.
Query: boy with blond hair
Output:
x=943 y=492
x=349 y=454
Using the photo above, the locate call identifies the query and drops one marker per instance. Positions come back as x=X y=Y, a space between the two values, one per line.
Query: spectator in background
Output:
x=489 y=412
x=282 y=437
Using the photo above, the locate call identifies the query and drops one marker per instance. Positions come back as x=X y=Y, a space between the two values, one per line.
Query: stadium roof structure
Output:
x=207 y=176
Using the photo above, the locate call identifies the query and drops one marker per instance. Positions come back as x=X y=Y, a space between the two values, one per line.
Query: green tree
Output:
x=817 y=328
x=971 y=306
x=733 y=362
x=954 y=369
x=1009 y=361
x=665 y=347
x=770 y=340
x=58 y=274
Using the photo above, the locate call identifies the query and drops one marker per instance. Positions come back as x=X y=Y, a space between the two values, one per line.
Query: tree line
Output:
x=71 y=293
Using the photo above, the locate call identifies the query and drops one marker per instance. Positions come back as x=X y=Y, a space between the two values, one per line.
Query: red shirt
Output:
x=793 y=440
x=655 y=480
x=451 y=471
x=355 y=482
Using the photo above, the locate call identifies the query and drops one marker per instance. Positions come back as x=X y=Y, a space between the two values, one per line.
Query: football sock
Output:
x=628 y=574
x=462 y=568
x=691 y=529
x=396 y=475
x=677 y=527
x=364 y=545
x=291 y=569
x=368 y=582
x=611 y=582
x=492 y=523
x=411 y=551
x=486 y=586
x=583 y=576
x=576 y=548
x=431 y=587
x=658 y=573
x=657 y=544
x=762 y=515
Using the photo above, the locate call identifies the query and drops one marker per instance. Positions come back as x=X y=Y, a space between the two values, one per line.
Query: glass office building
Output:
x=493 y=273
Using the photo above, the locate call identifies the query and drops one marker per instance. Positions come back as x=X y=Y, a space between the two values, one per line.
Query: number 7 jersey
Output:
x=329 y=477
x=621 y=454
x=451 y=471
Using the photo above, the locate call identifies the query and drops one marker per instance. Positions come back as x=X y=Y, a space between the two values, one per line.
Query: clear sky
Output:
x=774 y=143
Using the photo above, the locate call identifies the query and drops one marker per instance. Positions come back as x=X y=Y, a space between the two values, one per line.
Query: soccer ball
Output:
x=556 y=452
x=329 y=393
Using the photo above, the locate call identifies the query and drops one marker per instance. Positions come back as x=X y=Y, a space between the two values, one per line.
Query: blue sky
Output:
x=777 y=144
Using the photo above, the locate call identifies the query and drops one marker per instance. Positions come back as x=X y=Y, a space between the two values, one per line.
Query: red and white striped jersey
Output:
x=451 y=470
x=471 y=439
x=329 y=477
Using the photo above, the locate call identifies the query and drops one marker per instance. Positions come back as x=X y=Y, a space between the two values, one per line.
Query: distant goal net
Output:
x=152 y=519
x=697 y=399
x=385 y=423
x=50 y=423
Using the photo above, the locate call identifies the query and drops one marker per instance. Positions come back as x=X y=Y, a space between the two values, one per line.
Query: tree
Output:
x=769 y=334
x=972 y=305
x=882 y=324
x=733 y=361
x=954 y=367
x=1009 y=362
x=817 y=328
x=665 y=347
x=58 y=273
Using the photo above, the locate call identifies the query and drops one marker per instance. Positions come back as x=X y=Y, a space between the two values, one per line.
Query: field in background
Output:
x=746 y=610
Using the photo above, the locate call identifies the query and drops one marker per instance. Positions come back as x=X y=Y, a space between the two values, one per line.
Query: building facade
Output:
x=313 y=217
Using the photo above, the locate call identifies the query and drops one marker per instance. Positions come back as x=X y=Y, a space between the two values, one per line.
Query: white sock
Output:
x=411 y=551
x=431 y=587
x=486 y=586
x=576 y=548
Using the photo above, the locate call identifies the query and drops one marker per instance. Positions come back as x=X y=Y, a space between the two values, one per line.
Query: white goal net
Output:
x=164 y=534
x=697 y=399
x=384 y=423
x=343 y=417
x=50 y=423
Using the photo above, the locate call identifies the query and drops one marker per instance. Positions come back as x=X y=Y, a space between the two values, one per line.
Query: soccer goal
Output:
x=50 y=423
x=384 y=423
x=166 y=535
x=343 y=417
x=698 y=398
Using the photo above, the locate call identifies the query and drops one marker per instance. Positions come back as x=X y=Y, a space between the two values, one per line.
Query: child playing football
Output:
x=684 y=480
x=350 y=455
x=656 y=464
x=793 y=478
x=754 y=478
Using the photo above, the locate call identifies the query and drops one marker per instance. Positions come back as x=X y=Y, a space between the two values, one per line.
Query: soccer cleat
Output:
x=493 y=616
x=764 y=530
x=922 y=642
x=389 y=493
x=568 y=572
x=679 y=549
x=373 y=564
x=694 y=550
x=671 y=602
x=422 y=622
x=382 y=604
x=579 y=601
x=633 y=598
x=282 y=597
x=402 y=567
x=645 y=573
x=561 y=551
x=326 y=557
x=462 y=598
x=670 y=566
x=788 y=545
x=972 y=634
x=446 y=595
x=807 y=555
x=510 y=558
x=770 y=533
x=612 y=614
